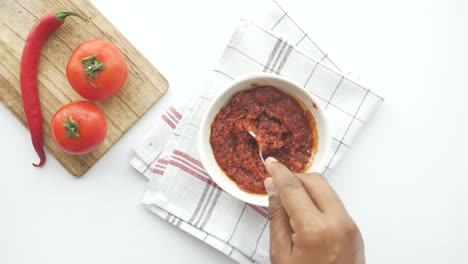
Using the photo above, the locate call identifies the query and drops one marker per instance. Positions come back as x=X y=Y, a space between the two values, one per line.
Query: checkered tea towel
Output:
x=179 y=189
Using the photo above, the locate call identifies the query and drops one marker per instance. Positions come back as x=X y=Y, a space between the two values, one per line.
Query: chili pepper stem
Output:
x=61 y=15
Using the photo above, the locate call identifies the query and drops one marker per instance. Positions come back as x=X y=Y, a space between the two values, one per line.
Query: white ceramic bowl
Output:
x=245 y=83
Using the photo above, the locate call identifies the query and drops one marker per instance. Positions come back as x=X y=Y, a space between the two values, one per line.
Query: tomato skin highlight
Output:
x=108 y=81
x=92 y=127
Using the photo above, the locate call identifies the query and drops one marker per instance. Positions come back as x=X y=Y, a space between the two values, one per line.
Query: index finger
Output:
x=294 y=197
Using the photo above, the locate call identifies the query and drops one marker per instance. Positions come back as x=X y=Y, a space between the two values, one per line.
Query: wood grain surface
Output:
x=144 y=85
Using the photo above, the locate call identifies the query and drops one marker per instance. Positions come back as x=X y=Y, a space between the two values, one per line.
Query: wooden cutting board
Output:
x=144 y=85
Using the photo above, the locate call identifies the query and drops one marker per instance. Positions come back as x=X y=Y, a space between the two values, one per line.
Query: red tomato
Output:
x=79 y=127
x=96 y=69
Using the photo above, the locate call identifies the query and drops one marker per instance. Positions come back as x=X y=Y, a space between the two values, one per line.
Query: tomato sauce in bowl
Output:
x=284 y=129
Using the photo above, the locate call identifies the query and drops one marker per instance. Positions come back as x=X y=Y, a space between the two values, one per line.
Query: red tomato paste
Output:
x=283 y=130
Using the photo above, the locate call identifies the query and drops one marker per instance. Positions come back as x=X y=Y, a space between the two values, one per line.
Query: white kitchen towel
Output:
x=179 y=189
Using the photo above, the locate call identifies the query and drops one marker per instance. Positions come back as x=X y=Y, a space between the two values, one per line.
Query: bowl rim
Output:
x=252 y=198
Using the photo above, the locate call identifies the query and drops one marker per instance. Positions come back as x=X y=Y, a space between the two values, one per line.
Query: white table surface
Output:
x=405 y=180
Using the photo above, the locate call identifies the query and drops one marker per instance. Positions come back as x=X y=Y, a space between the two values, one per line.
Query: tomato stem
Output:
x=71 y=127
x=92 y=66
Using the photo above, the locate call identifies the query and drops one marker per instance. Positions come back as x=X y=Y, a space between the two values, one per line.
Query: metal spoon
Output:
x=259 y=150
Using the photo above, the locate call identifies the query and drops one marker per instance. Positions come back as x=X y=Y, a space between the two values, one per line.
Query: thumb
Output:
x=280 y=229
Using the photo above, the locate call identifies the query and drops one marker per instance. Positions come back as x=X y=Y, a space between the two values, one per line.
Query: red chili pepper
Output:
x=28 y=75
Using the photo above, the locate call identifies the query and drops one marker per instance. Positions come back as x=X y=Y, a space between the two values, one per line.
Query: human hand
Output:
x=309 y=223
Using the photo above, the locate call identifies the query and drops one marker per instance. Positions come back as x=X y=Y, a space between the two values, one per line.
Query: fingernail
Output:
x=271 y=159
x=270 y=186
